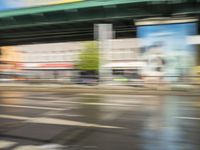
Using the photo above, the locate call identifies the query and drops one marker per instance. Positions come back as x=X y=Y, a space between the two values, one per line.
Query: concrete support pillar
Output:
x=104 y=34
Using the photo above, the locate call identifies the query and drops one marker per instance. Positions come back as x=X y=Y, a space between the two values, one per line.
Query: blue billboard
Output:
x=166 y=50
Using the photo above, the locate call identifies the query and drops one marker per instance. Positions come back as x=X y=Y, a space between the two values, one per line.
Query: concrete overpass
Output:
x=74 y=21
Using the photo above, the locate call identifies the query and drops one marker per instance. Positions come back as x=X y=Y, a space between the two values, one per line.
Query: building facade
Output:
x=58 y=60
x=9 y=59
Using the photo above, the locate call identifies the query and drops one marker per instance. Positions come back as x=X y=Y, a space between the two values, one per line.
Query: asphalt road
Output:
x=64 y=121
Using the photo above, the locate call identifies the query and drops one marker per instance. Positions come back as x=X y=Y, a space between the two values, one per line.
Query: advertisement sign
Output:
x=16 y=4
x=166 y=50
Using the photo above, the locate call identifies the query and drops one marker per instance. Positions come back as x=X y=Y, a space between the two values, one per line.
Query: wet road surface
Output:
x=45 y=121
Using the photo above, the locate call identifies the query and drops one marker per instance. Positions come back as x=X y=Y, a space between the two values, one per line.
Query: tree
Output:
x=89 y=58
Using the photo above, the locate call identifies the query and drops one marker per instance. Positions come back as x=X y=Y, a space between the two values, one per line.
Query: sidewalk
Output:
x=102 y=89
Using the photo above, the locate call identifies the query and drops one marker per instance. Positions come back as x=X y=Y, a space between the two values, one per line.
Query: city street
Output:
x=66 y=121
x=99 y=75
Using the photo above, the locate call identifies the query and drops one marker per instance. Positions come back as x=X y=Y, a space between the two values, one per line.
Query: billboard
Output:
x=166 y=50
x=16 y=4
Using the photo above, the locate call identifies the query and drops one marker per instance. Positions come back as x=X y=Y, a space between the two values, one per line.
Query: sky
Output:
x=14 y=4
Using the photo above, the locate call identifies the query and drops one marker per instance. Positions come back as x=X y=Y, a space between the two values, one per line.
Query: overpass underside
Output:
x=75 y=21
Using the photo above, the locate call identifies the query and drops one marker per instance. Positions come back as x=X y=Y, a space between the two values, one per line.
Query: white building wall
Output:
x=122 y=50
x=52 y=52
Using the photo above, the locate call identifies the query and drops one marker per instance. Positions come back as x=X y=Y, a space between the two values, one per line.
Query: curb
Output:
x=98 y=90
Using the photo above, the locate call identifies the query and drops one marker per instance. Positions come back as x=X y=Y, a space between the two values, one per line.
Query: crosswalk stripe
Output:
x=28 y=147
x=6 y=144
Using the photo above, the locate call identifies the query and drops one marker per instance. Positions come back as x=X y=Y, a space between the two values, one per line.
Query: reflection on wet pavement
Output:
x=99 y=122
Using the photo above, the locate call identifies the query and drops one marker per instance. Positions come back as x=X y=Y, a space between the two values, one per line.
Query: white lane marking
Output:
x=126 y=101
x=106 y=102
x=6 y=144
x=14 y=117
x=54 y=121
x=51 y=146
x=188 y=118
x=121 y=96
x=130 y=96
x=62 y=114
x=43 y=103
x=42 y=147
x=31 y=107
x=100 y=104
x=49 y=99
x=40 y=97
x=28 y=147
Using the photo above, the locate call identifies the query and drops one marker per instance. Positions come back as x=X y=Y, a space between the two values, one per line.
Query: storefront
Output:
x=48 y=70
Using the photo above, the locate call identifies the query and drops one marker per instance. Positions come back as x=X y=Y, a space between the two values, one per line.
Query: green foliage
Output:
x=89 y=57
